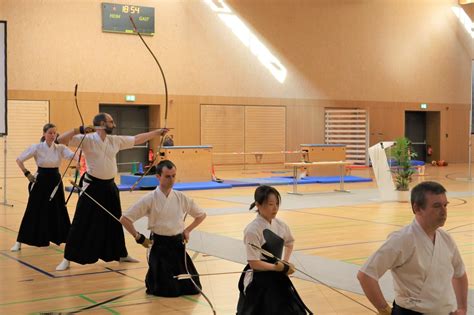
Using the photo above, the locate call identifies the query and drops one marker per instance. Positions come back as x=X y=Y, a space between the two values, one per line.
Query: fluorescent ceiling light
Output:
x=464 y=19
x=249 y=39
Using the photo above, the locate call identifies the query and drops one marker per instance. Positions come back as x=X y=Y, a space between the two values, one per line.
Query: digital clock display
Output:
x=116 y=18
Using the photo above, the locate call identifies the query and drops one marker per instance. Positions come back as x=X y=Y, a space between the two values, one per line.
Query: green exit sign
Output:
x=424 y=106
x=130 y=98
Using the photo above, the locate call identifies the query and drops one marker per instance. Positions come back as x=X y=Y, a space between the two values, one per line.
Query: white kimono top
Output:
x=422 y=271
x=101 y=155
x=165 y=214
x=45 y=156
x=253 y=233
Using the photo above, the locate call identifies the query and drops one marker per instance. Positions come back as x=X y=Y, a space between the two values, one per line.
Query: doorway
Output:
x=422 y=128
x=130 y=120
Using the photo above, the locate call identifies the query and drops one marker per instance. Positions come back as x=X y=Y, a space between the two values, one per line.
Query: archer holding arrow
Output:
x=267 y=289
x=165 y=209
x=94 y=234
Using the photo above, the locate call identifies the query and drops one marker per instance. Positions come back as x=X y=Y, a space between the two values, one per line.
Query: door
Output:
x=415 y=131
x=130 y=120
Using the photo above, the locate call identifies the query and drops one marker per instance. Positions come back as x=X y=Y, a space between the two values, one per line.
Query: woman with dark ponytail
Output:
x=264 y=286
x=44 y=221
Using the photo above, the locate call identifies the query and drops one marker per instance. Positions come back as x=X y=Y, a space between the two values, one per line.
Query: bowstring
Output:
x=166 y=103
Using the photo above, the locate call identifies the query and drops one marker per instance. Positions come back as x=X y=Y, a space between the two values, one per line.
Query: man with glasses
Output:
x=94 y=234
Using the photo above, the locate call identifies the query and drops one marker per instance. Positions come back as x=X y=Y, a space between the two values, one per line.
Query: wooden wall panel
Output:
x=222 y=127
x=386 y=123
x=456 y=135
x=265 y=128
x=472 y=149
x=25 y=120
x=304 y=122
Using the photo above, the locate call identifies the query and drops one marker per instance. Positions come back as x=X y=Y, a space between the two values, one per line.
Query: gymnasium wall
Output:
x=387 y=56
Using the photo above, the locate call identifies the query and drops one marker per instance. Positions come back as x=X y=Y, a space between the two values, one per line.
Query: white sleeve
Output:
x=458 y=264
x=388 y=256
x=252 y=238
x=66 y=153
x=141 y=208
x=126 y=142
x=192 y=208
x=28 y=153
x=75 y=140
x=288 y=237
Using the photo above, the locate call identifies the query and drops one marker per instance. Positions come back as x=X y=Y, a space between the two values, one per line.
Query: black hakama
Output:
x=398 y=310
x=166 y=261
x=94 y=234
x=269 y=293
x=45 y=221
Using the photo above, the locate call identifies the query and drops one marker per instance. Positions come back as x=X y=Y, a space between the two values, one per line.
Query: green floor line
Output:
x=64 y=296
x=2 y=229
x=73 y=308
x=354 y=259
x=101 y=306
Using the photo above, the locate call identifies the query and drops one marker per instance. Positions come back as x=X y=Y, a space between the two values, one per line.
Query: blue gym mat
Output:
x=288 y=180
x=239 y=183
x=335 y=179
x=147 y=181
x=200 y=185
x=392 y=162
x=150 y=182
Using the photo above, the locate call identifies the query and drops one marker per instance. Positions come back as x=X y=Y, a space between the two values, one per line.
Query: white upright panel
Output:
x=381 y=169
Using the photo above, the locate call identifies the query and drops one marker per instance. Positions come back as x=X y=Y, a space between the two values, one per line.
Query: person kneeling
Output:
x=166 y=210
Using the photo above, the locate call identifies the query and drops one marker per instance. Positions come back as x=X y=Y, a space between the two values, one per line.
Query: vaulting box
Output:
x=194 y=163
x=323 y=153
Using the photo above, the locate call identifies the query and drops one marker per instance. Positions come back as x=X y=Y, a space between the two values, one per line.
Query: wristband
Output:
x=27 y=173
x=141 y=239
x=386 y=311
x=285 y=268
x=81 y=130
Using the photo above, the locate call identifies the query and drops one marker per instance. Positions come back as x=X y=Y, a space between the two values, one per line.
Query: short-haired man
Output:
x=424 y=260
x=94 y=234
x=166 y=210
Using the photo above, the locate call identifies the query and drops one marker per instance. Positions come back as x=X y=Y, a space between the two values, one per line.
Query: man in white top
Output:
x=94 y=234
x=428 y=272
x=166 y=210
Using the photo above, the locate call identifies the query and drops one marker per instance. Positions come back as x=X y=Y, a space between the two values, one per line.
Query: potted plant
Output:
x=401 y=168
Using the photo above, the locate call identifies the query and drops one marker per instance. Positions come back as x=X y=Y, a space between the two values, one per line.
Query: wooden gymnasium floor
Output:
x=343 y=232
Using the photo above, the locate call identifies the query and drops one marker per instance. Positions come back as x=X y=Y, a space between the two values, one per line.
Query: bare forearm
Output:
x=288 y=251
x=262 y=265
x=460 y=286
x=195 y=223
x=21 y=165
x=372 y=290
x=144 y=137
x=128 y=226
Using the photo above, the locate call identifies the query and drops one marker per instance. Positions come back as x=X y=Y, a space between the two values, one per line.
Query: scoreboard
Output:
x=116 y=18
